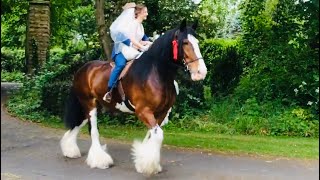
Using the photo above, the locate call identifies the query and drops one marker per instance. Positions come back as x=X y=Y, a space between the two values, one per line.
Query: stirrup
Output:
x=107 y=97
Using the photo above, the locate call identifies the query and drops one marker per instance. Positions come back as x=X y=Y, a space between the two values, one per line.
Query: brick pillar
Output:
x=38 y=34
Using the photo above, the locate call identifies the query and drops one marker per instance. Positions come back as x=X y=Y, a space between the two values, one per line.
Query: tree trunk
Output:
x=104 y=38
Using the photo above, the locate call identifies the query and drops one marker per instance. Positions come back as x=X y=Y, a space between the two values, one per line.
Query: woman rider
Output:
x=126 y=30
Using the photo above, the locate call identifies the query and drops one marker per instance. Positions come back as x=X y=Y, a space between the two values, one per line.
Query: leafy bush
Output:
x=280 y=46
x=296 y=122
x=308 y=96
x=49 y=88
x=12 y=76
x=56 y=78
x=223 y=63
x=12 y=60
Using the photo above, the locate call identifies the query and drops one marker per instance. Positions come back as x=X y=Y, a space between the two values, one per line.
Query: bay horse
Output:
x=150 y=92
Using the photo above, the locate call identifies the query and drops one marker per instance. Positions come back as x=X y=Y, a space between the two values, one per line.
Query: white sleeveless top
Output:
x=136 y=30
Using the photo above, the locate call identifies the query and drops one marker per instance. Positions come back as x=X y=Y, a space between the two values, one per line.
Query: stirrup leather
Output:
x=107 y=97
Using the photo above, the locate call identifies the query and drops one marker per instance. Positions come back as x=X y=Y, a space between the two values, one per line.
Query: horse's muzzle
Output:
x=197 y=76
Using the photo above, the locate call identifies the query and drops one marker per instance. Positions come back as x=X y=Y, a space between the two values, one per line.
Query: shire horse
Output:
x=150 y=89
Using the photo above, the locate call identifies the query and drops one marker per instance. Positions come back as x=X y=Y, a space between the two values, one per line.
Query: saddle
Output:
x=123 y=73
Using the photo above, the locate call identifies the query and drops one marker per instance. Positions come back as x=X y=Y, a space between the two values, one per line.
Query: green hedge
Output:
x=12 y=60
x=223 y=62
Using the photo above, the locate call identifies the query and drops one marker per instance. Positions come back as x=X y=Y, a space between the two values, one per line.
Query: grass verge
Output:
x=260 y=146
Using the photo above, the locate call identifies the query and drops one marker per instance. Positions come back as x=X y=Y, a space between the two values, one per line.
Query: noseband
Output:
x=185 y=63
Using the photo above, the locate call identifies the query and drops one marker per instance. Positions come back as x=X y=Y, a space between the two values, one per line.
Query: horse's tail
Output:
x=74 y=114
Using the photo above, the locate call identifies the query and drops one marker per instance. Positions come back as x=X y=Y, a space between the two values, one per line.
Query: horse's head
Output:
x=189 y=51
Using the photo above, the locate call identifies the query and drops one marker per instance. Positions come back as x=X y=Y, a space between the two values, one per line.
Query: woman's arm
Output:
x=136 y=44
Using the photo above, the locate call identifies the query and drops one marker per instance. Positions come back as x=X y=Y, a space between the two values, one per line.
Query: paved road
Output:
x=30 y=151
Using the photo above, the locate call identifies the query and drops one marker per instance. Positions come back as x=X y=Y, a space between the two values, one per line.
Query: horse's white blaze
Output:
x=202 y=69
x=97 y=156
x=68 y=142
x=123 y=108
x=146 y=154
x=176 y=86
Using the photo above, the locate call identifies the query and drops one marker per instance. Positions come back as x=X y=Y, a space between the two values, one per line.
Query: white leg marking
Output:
x=97 y=156
x=146 y=154
x=166 y=119
x=68 y=143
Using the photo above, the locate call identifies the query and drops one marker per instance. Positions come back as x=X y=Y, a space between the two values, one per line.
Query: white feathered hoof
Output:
x=146 y=154
x=69 y=145
x=99 y=158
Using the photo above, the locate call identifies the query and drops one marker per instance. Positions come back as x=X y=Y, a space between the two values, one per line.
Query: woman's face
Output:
x=143 y=14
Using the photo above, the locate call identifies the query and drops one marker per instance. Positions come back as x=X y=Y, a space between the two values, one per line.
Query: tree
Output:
x=13 y=23
x=101 y=25
x=279 y=44
x=218 y=19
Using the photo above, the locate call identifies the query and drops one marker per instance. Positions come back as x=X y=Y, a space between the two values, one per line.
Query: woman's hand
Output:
x=129 y=5
x=144 y=48
x=146 y=43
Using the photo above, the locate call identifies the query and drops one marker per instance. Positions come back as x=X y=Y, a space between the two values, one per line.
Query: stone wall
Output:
x=38 y=34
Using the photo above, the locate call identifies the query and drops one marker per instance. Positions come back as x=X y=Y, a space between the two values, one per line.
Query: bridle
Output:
x=185 y=63
x=175 y=54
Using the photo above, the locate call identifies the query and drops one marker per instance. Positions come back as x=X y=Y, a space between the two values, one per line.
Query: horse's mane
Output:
x=158 y=56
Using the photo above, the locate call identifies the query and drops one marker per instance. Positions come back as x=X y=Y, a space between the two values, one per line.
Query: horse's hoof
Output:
x=99 y=158
x=72 y=155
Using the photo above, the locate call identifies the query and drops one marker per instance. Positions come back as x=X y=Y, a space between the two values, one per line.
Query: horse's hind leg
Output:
x=97 y=156
x=74 y=120
x=146 y=154
x=68 y=142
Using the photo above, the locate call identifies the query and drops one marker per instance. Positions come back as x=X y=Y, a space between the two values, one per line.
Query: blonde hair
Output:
x=138 y=9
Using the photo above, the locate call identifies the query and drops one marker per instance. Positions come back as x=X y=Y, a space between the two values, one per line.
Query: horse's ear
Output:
x=195 y=25
x=183 y=25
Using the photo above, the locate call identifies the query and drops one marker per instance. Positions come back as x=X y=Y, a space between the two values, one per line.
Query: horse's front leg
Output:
x=97 y=156
x=146 y=153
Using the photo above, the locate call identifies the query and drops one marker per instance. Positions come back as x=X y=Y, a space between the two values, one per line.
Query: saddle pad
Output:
x=125 y=69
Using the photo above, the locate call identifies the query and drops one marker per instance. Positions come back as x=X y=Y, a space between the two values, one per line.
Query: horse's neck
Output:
x=164 y=64
x=158 y=59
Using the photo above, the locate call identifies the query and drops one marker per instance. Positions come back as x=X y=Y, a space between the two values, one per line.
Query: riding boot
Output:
x=108 y=96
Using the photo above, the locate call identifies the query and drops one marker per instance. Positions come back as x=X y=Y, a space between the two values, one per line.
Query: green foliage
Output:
x=297 y=122
x=190 y=99
x=12 y=59
x=55 y=80
x=307 y=95
x=218 y=19
x=49 y=88
x=277 y=49
x=83 y=26
x=13 y=23
x=12 y=76
x=223 y=61
x=164 y=15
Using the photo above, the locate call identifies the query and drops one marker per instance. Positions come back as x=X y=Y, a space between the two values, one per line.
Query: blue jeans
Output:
x=120 y=62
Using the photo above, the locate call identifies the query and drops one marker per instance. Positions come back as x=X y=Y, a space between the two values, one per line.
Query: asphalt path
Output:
x=31 y=151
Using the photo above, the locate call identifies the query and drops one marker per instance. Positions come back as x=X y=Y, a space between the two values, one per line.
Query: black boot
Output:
x=108 y=96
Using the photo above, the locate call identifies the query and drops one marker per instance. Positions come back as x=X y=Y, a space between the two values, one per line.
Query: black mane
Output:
x=160 y=56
